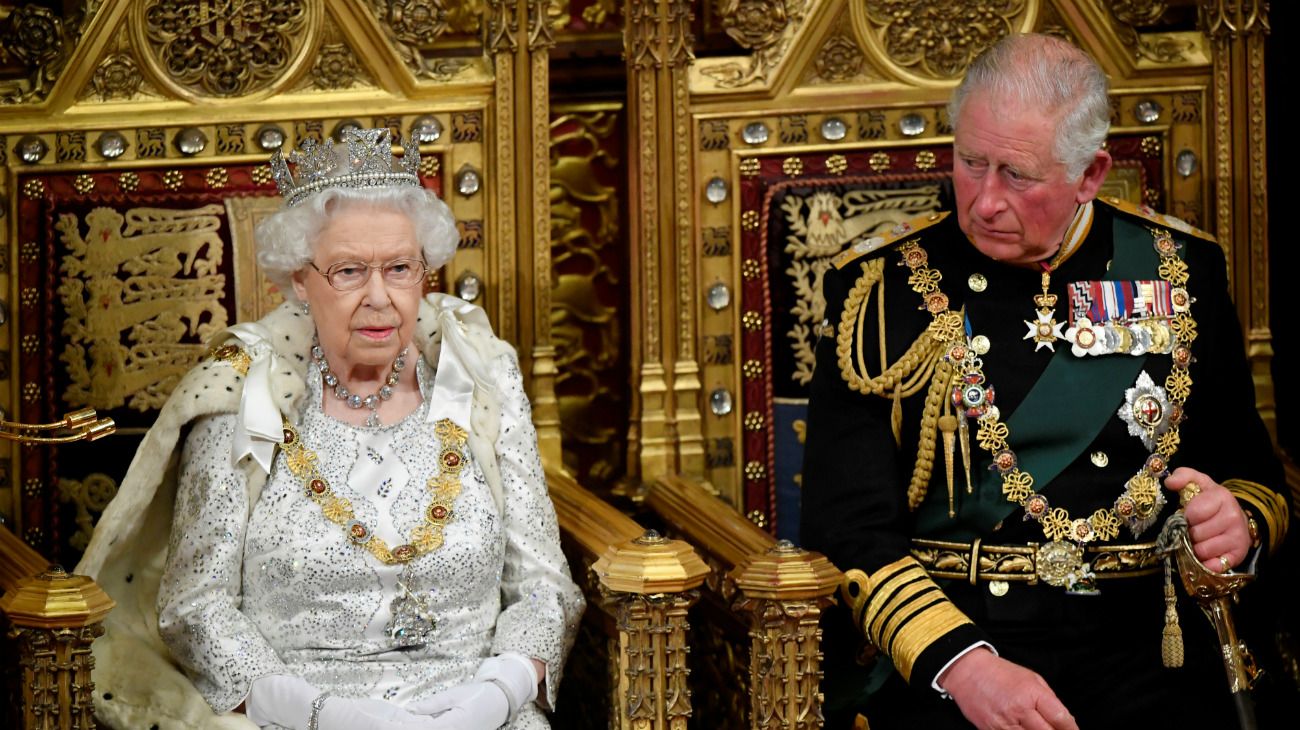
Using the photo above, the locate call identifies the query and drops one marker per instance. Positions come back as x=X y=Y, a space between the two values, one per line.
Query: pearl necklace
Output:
x=356 y=400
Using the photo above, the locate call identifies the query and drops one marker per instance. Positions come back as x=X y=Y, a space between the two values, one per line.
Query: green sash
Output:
x=1053 y=424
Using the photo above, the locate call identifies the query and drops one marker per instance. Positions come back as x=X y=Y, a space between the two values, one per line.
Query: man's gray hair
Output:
x=1046 y=73
x=285 y=239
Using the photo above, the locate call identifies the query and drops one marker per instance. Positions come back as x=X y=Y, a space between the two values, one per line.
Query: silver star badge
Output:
x=1146 y=410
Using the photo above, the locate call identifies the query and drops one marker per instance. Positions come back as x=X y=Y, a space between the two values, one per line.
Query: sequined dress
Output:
x=281 y=590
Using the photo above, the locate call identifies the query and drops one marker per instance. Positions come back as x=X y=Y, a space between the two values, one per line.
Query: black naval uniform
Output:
x=1100 y=653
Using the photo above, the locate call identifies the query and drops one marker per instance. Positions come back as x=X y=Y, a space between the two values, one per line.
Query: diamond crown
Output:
x=369 y=164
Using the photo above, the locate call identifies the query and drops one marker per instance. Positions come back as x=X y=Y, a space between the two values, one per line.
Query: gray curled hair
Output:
x=285 y=239
x=1046 y=73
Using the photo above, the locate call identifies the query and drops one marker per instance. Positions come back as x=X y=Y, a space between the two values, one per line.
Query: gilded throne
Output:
x=648 y=230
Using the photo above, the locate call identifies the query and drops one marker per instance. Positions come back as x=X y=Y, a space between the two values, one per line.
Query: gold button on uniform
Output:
x=977 y=282
x=1100 y=459
x=999 y=588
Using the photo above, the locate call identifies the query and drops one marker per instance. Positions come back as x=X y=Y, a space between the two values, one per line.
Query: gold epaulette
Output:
x=1270 y=505
x=1146 y=212
x=901 y=610
x=864 y=244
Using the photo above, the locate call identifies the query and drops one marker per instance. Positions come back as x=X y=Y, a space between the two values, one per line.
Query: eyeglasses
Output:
x=352 y=275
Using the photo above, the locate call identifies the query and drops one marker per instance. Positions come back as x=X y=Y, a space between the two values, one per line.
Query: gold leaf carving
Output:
x=764 y=26
x=224 y=49
x=118 y=74
x=414 y=26
x=839 y=59
x=89 y=496
x=939 y=40
x=1133 y=20
x=35 y=38
x=336 y=68
x=133 y=287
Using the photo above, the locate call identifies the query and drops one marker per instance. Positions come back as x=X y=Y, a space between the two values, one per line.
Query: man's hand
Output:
x=995 y=693
x=1215 y=521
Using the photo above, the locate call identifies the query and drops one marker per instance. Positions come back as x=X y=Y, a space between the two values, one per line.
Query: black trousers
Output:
x=1100 y=654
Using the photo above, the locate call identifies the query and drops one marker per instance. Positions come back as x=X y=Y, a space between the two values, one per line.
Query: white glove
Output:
x=502 y=685
x=284 y=700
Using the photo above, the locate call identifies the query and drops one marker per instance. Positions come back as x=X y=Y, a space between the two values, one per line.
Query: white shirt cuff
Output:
x=977 y=645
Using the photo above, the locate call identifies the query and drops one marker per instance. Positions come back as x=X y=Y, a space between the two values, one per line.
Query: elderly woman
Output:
x=361 y=535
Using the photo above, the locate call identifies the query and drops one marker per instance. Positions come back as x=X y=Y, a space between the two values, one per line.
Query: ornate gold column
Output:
x=53 y=618
x=519 y=38
x=666 y=432
x=1236 y=29
x=652 y=581
x=784 y=591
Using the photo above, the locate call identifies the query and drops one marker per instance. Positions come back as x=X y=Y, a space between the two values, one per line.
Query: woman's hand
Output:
x=502 y=685
x=287 y=701
x=1215 y=521
x=469 y=706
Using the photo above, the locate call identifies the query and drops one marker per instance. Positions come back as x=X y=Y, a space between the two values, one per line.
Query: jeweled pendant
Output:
x=372 y=420
x=1045 y=330
x=412 y=623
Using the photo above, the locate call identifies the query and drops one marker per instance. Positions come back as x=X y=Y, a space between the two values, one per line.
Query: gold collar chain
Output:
x=444 y=487
x=1141 y=499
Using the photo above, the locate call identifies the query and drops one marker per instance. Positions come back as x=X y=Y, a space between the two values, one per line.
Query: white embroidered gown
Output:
x=283 y=591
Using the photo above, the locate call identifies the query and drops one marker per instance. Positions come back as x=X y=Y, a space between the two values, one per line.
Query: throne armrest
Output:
x=778 y=590
x=641 y=586
x=52 y=619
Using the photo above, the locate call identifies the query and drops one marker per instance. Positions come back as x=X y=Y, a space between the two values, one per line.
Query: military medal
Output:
x=1146 y=410
x=1123 y=317
x=1085 y=339
x=1044 y=330
x=1152 y=413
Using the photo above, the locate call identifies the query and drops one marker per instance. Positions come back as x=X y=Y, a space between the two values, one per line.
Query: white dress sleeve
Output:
x=541 y=605
x=199 y=597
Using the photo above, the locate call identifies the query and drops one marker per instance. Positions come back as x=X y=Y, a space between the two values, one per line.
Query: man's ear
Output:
x=1093 y=176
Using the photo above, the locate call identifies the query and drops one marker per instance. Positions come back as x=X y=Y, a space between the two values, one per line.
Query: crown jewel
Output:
x=369 y=164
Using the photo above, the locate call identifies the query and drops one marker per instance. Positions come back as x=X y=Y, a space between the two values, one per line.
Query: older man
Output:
x=1007 y=405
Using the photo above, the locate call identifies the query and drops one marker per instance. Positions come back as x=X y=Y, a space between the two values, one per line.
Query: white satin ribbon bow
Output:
x=259 y=427
x=460 y=369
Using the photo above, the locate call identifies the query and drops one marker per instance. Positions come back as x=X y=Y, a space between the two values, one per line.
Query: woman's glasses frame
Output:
x=401 y=273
